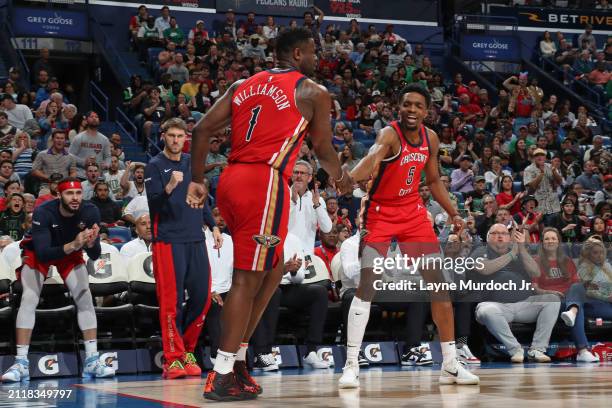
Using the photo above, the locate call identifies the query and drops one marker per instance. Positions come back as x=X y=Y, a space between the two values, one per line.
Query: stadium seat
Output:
x=108 y=278
x=143 y=296
x=517 y=186
x=119 y=234
x=360 y=135
x=316 y=271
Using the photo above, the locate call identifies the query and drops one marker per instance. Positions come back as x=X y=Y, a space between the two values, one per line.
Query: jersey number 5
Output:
x=410 y=175
x=254 y=115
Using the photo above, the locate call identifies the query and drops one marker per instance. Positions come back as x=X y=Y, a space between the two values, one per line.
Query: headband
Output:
x=67 y=185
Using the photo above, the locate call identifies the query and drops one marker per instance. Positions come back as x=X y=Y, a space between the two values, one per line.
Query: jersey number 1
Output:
x=254 y=115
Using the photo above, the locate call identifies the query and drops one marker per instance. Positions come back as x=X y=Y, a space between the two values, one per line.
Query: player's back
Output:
x=267 y=126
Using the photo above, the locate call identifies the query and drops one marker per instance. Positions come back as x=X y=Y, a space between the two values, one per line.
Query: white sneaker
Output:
x=585 y=356
x=518 y=357
x=350 y=375
x=92 y=368
x=457 y=375
x=538 y=356
x=20 y=371
x=314 y=361
x=464 y=355
x=568 y=318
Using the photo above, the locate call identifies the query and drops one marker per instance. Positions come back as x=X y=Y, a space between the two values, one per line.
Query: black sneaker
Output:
x=418 y=356
x=225 y=387
x=265 y=362
x=244 y=378
x=362 y=360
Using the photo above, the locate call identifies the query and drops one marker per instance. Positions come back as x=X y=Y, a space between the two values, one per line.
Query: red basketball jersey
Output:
x=267 y=126
x=398 y=178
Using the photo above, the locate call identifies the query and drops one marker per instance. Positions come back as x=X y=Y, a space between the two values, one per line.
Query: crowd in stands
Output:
x=530 y=173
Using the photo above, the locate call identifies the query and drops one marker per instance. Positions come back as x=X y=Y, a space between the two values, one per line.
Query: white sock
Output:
x=449 y=354
x=225 y=362
x=242 y=351
x=91 y=348
x=358 y=317
x=22 y=351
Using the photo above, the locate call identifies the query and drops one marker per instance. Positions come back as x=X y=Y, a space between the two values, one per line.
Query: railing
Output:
x=108 y=49
x=15 y=56
x=126 y=125
x=99 y=100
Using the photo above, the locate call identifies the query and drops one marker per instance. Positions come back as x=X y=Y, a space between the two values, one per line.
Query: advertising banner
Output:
x=489 y=47
x=32 y=22
x=557 y=17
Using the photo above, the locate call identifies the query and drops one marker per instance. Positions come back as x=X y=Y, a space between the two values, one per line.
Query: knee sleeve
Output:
x=32 y=282
x=78 y=284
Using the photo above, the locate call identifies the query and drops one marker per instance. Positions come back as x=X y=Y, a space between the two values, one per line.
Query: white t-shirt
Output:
x=133 y=248
x=137 y=205
x=133 y=191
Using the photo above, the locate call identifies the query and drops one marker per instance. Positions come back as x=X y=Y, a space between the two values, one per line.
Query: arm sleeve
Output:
x=156 y=193
x=209 y=221
x=325 y=223
x=93 y=217
x=41 y=238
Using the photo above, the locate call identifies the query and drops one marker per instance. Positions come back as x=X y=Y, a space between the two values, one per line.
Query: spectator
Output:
x=326 y=251
x=54 y=119
x=198 y=29
x=508 y=199
x=569 y=225
x=136 y=206
x=229 y=25
x=548 y=48
x=590 y=179
x=42 y=64
x=90 y=146
x=154 y=111
x=142 y=242
x=529 y=218
x=432 y=205
x=215 y=161
x=202 y=101
x=507 y=260
x=113 y=178
x=254 y=49
x=137 y=21
x=48 y=191
x=162 y=22
x=307 y=209
x=605 y=194
x=462 y=178
x=54 y=160
x=270 y=30
x=44 y=94
x=23 y=155
x=110 y=211
x=589 y=38
x=485 y=220
x=7 y=131
x=10 y=187
x=493 y=177
x=17 y=114
x=358 y=150
x=599 y=230
x=136 y=187
x=178 y=71
x=13 y=218
x=148 y=36
x=543 y=179
x=7 y=174
x=558 y=277
x=174 y=34
x=93 y=176
x=383 y=120
x=347 y=158
x=474 y=198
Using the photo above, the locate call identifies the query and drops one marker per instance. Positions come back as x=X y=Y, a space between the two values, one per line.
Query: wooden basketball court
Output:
x=502 y=385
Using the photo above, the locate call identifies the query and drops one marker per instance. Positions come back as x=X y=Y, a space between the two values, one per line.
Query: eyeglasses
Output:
x=301 y=173
x=500 y=233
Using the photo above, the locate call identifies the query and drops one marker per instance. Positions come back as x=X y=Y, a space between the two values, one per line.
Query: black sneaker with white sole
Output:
x=362 y=360
x=265 y=362
x=417 y=356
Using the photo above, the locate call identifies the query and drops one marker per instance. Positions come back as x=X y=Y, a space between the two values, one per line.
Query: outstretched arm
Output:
x=382 y=148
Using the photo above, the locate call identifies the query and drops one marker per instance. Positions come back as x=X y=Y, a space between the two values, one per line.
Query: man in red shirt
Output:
x=327 y=250
x=469 y=109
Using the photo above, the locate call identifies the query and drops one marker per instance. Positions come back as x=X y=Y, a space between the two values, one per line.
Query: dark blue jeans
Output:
x=589 y=307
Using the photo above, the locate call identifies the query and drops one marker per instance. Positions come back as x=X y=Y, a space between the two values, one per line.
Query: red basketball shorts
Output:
x=407 y=224
x=254 y=201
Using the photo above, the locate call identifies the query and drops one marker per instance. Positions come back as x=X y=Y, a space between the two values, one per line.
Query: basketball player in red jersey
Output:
x=393 y=209
x=270 y=114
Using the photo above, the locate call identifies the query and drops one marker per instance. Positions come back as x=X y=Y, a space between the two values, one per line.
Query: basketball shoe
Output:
x=174 y=370
x=190 y=364
x=225 y=387
x=93 y=368
x=20 y=371
x=457 y=374
x=350 y=375
x=244 y=378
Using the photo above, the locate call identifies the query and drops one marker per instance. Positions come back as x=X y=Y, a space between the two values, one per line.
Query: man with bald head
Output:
x=506 y=261
x=143 y=242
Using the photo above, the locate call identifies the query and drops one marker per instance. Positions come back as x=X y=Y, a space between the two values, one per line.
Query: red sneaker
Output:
x=247 y=383
x=225 y=387
x=174 y=370
x=192 y=369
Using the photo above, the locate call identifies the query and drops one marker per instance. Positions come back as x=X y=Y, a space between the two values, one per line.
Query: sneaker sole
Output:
x=345 y=386
x=229 y=398
x=173 y=377
x=567 y=320
x=458 y=381
x=411 y=363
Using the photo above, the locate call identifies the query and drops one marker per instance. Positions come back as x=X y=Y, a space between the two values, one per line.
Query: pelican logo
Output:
x=533 y=17
x=373 y=352
x=101 y=268
x=147 y=266
x=325 y=354
x=49 y=364
x=110 y=360
x=277 y=355
x=269 y=241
